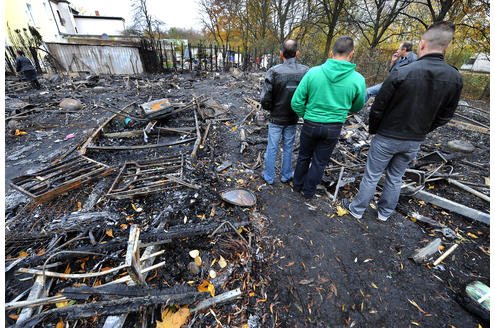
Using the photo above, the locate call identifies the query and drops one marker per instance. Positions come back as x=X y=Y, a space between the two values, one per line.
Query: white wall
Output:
x=98 y=26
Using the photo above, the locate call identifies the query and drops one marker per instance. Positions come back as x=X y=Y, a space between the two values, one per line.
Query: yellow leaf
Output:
x=341 y=211
x=19 y=132
x=109 y=233
x=374 y=285
x=23 y=254
x=67 y=269
x=79 y=206
x=415 y=323
x=14 y=316
x=472 y=235
x=234 y=128
x=60 y=324
x=207 y=286
x=222 y=263
x=441 y=248
x=198 y=261
x=62 y=304
x=172 y=319
x=251 y=294
x=123 y=226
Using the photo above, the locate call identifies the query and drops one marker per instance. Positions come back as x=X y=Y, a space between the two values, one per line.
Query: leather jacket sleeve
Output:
x=381 y=102
x=266 y=92
x=446 y=113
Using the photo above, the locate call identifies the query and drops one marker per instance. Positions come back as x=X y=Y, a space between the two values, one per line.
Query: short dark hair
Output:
x=289 y=49
x=439 y=35
x=407 y=45
x=20 y=52
x=343 y=46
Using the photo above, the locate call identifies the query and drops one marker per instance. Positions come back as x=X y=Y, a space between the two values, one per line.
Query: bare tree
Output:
x=373 y=18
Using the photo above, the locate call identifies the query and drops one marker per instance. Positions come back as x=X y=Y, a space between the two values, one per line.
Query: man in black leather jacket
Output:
x=280 y=83
x=413 y=101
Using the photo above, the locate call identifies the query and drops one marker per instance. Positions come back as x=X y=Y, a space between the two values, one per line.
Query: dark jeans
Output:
x=316 y=146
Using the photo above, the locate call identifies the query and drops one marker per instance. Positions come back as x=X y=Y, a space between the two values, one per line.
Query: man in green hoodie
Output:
x=323 y=98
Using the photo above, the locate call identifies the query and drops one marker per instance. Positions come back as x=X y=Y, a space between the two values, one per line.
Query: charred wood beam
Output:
x=123 y=305
x=147 y=238
x=179 y=142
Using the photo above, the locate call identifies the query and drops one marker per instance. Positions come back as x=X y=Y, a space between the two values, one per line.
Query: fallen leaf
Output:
x=106 y=269
x=60 y=324
x=222 y=263
x=198 y=261
x=194 y=253
x=14 y=316
x=341 y=211
x=109 y=233
x=67 y=269
x=172 y=319
x=212 y=274
x=20 y=132
x=207 y=286
x=415 y=323
x=123 y=226
x=374 y=285
x=62 y=304
x=472 y=235
x=290 y=264
x=417 y=306
x=306 y=281
x=252 y=294
x=23 y=254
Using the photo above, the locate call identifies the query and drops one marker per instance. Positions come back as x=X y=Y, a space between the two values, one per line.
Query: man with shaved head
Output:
x=413 y=101
x=280 y=83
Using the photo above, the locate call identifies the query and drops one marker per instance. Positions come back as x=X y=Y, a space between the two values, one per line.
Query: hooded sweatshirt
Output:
x=327 y=92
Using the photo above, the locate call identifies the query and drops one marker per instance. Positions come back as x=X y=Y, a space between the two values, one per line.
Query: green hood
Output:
x=336 y=70
x=329 y=91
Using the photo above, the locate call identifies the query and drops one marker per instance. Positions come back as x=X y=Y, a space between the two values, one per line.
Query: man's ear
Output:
x=349 y=57
x=281 y=54
x=298 y=54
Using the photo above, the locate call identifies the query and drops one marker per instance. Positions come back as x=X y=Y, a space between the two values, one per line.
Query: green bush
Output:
x=476 y=85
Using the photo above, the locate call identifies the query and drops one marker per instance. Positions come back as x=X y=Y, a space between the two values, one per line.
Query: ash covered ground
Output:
x=296 y=264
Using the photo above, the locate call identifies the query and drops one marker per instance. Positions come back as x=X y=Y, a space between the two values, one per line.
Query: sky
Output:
x=175 y=13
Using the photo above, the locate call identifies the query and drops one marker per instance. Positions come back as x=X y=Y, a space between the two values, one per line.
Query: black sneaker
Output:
x=345 y=204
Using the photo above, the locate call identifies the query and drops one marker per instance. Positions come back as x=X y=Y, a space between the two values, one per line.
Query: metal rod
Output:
x=452 y=206
x=469 y=189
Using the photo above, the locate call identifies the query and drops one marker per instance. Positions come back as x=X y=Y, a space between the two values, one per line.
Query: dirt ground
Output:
x=306 y=265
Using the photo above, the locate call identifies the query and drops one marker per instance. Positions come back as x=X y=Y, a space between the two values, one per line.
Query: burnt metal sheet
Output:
x=97 y=59
x=146 y=177
x=240 y=197
x=60 y=178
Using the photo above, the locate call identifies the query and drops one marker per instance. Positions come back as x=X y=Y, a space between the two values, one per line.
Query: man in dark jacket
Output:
x=23 y=65
x=414 y=100
x=403 y=56
x=280 y=83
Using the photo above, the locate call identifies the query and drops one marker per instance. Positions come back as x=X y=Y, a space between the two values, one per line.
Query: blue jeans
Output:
x=316 y=146
x=392 y=156
x=288 y=134
x=373 y=91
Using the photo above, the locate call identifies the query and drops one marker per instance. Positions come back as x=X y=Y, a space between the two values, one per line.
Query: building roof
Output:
x=99 y=17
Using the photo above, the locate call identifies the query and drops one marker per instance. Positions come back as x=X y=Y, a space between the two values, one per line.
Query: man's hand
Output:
x=395 y=56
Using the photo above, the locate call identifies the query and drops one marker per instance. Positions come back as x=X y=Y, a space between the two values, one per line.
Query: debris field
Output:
x=138 y=201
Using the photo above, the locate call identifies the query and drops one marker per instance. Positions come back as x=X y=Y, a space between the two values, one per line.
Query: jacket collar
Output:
x=290 y=60
x=436 y=55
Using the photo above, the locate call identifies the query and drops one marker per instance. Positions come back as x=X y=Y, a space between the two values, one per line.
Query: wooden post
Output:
x=132 y=257
x=223 y=58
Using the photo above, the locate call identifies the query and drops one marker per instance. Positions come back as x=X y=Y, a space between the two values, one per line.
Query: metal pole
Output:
x=469 y=189
x=211 y=58
x=182 y=56
x=190 y=56
x=216 y=57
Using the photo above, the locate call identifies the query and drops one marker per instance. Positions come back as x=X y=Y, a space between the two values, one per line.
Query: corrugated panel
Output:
x=97 y=59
